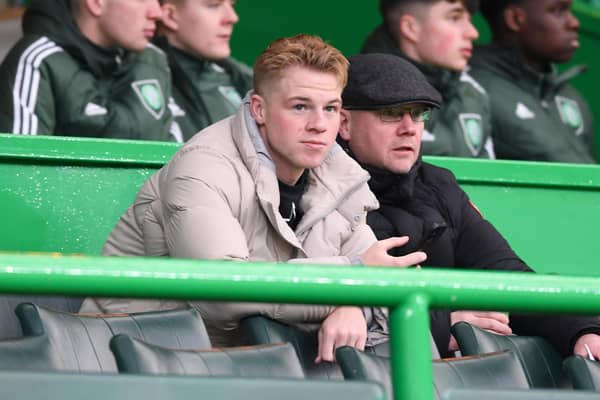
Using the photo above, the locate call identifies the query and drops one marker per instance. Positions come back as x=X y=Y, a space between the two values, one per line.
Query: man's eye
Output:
x=331 y=109
x=299 y=107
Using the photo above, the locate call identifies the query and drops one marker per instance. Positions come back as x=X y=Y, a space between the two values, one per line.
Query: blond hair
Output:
x=299 y=51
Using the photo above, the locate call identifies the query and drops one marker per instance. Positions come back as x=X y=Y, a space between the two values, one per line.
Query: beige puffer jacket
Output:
x=218 y=198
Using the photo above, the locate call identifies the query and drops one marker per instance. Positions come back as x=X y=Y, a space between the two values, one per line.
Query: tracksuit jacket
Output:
x=429 y=207
x=462 y=126
x=535 y=116
x=55 y=81
x=204 y=91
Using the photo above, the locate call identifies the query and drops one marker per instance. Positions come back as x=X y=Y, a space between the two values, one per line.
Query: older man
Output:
x=268 y=184
x=386 y=103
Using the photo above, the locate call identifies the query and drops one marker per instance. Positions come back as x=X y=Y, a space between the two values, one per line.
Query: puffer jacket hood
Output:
x=54 y=19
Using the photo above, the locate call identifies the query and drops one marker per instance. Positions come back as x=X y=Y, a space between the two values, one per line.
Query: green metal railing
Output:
x=409 y=293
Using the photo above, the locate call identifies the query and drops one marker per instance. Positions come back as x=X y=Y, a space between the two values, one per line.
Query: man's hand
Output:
x=592 y=341
x=377 y=254
x=493 y=321
x=345 y=326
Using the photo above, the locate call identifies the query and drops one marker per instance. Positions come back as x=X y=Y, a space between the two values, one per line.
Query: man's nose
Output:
x=406 y=125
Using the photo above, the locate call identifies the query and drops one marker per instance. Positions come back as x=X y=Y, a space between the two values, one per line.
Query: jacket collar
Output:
x=509 y=61
x=331 y=186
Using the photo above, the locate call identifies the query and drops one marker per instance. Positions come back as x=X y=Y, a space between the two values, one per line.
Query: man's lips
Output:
x=314 y=144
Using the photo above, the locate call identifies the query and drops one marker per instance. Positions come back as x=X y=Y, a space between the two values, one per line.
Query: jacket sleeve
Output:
x=481 y=246
x=27 y=105
x=199 y=222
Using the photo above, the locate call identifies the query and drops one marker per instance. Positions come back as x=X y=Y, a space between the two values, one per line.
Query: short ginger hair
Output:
x=299 y=51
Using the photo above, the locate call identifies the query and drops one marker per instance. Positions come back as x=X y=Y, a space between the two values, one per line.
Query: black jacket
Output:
x=428 y=205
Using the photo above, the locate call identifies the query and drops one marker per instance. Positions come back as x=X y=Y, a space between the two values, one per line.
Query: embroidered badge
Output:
x=473 y=132
x=570 y=114
x=150 y=94
x=231 y=95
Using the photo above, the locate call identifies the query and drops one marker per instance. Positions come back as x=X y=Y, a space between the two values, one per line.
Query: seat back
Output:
x=542 y=362
x=533 y=394
x=263 y=330
x=497 y=370
x=29 y=353
x=61 y=386
x=81 y=342
x=266 y=361
x=10 y=326
x=584 y=373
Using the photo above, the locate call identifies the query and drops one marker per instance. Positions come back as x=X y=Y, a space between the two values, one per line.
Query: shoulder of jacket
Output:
x=153 y=54
x=438 y=176
x=472 y=82
x=239 y=66
x=34 y=50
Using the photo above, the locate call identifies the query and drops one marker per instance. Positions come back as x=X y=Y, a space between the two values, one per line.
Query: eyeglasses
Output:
x=395 y=114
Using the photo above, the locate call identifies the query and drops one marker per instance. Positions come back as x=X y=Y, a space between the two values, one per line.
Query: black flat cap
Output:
x=384 y=80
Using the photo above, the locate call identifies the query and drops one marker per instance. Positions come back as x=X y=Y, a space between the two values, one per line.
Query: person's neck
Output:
x=289 y=177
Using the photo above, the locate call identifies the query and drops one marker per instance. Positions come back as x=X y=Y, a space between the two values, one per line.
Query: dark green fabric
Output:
x=81 y=343
x=462 y=126
x=262 y=330
x=63 y=84
x=269 y=361
x=55 y=386
x=204 y=91
x=31 y=353
x=529 y=118
x=584 y=373
x=541 y=362
x=485 y=394
x=498 y=370
x=10 y=326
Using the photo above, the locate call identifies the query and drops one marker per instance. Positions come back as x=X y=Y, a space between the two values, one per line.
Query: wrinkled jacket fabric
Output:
x=218 y=198
x=462 y=126
x=429 y=207
x=204 y=91
x=55 y=81
x=535 y=116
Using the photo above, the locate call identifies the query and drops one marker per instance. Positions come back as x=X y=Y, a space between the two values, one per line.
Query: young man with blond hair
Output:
x=85 y=68
x=437 y=36
x=208 y=85
x=267 y=184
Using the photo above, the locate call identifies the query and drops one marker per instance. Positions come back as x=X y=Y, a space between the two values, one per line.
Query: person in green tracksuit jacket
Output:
x=208 y=85
x=86 y=69
x=536 y=114
x=437 y=36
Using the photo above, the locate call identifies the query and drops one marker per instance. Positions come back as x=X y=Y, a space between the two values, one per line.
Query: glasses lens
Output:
x=417 y=114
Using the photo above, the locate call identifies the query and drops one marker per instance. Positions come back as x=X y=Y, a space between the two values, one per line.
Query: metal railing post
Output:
x=411 y=349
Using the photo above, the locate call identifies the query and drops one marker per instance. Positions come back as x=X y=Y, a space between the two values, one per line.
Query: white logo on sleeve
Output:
x=427 y=136
x=523 y=112
x=92 y=110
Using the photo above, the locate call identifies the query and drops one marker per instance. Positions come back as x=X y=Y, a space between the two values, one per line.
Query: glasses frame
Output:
x=417 y=114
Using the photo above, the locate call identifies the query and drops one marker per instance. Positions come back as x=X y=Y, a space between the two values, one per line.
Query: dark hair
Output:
x=492 y=11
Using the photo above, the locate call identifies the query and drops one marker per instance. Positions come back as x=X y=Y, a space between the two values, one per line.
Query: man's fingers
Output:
x=392 y=242
x=410 y=259
x=326 y=347
x=493 y=325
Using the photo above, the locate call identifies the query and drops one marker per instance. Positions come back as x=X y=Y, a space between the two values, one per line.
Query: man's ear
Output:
x=170 y=16
x=94 y=7
x=257 y=108
x=514 y=18
x=409 y=28
x=345 y=122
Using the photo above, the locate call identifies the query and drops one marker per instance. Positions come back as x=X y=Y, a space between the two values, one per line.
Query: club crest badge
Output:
x=150 y=94
x=570 y=113
x=472 y=131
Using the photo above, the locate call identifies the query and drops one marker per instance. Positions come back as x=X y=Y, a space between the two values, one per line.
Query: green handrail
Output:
x=408 y=292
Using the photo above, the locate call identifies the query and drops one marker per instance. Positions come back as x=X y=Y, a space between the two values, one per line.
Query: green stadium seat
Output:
x=81 y=342
x=534 y=394
x=584 y=373
x=540 y=360
x=498 y=370
x=11 y=328
x=266 y=361
x=61 y=386
x=263 y=330
x=30 y=353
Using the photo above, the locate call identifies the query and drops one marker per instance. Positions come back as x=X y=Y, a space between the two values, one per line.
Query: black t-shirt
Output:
x=289 y=201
